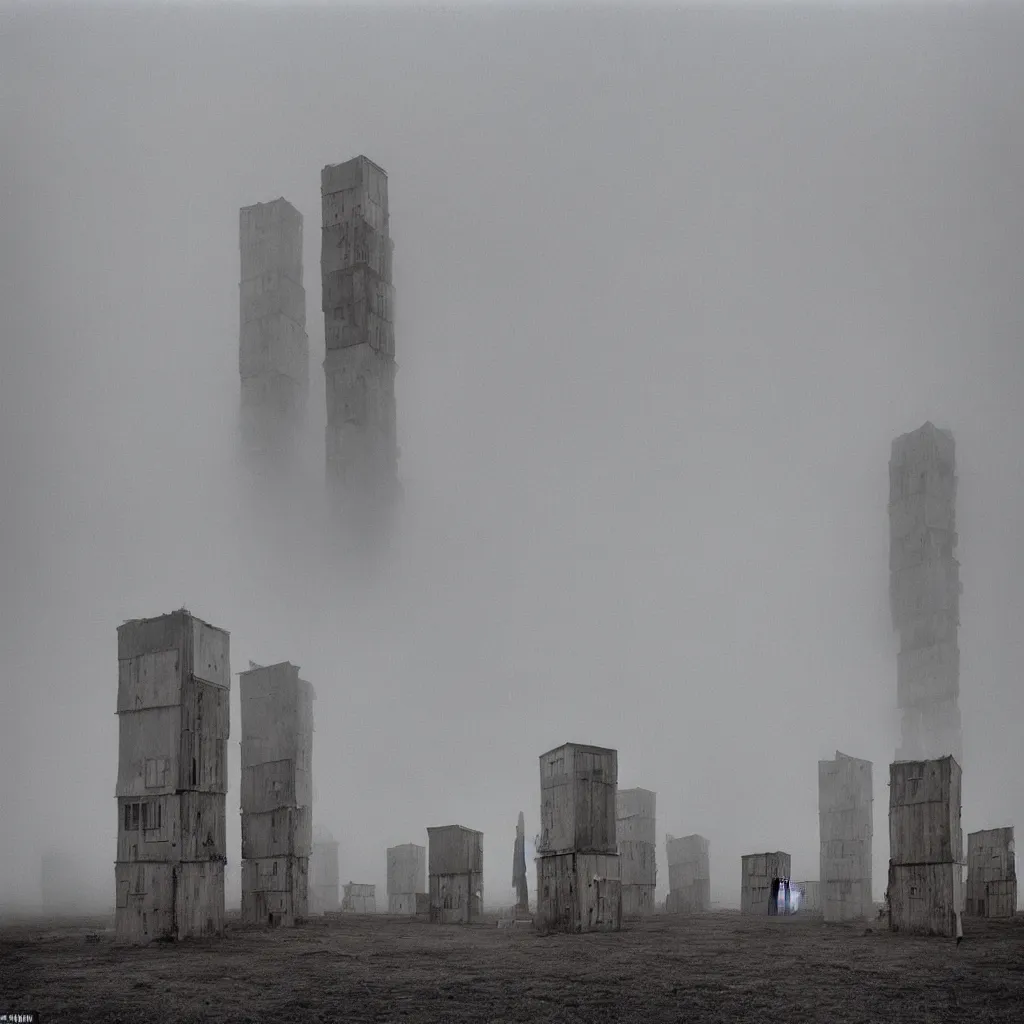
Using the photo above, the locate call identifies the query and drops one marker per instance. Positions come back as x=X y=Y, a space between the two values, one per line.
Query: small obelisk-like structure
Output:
x=519 y=869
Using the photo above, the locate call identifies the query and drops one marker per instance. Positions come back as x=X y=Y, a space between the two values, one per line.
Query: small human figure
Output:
x=786 y=896
x=773 y=903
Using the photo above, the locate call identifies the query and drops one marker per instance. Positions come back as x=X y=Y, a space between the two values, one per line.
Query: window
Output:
x=131 y=817
x=447 y=903
x=152 y=815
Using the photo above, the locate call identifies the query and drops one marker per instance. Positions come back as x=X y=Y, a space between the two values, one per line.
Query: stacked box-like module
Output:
x=924 y=592
x=925 y=847
x=845 y=809
x=407 y=877
x=991 y=873
x=273 y=351
x=579 y=882
x=456 y=866
x=359 y=898
x=277 y=798
x=635 y=831
x=758 y=870
x=359 y=334
x=174 y=679
x=324 y=891
x=689 y=874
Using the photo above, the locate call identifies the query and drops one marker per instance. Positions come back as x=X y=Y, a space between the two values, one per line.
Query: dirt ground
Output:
x=717 y=967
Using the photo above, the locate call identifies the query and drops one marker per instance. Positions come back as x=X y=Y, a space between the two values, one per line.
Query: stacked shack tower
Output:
x=277 y=830
x=758 y=870
x=925 y=847
x=635 y=833
x=925 y=593
x=845 y=808
x=174 y=680
x=407 y=877
x=359 y=336
x=273 y=350
x=991 y=873
x=689 y=875
x=579 y=885
x=455 y=857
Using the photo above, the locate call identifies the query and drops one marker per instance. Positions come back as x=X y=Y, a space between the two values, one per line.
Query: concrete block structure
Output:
x=407 y=876
x=174 y=682
x=359 y=898
x=808 y=897
x=324 y=888
x=359 y=336
x=846 y=827
x=689 y=874
x=277 y=794
x=635 y=832
x=924 y=592
x=926 y=895
x=579 y=881
x=455 y=861
x=991 y=873
x=758 y=870
x=273 y=350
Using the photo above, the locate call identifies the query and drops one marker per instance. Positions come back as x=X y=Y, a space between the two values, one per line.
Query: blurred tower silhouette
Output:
x=273 y=351
x=359 y=337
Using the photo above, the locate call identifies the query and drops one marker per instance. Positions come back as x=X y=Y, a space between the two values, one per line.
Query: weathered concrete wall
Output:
x=456 y=898
x=689 y=874
x=324 y=878
x=926 y=894
x=925 y=591
x=578 y=786
x=579 y=893
x=358 y=308
x=277 y=831
x=846 y=826
x=810 y=897
x=991 y=873
x=174 y=678
x=758 y=870
x=454 y=850
x=273 y=349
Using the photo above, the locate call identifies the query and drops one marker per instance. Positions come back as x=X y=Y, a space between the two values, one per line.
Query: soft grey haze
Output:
x=667 y=285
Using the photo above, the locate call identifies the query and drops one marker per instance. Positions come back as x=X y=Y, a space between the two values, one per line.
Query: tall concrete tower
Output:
x=924 y=591
x=273 y=350
x=359 y=337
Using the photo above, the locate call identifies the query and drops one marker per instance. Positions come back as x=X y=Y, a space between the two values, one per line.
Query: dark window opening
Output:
x=195 y=773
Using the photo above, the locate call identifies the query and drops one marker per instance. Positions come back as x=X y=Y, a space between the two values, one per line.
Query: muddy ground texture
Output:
x=715 y=967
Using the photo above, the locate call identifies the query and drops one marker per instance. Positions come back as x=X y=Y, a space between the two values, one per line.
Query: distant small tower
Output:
x=359 y=337
x=273 y=350
x=925 y=593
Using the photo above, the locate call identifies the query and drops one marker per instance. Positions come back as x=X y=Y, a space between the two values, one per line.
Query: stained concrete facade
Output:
x=635 y=832
x=924 y=592
x=324 y=879
x=846 y=827
x=407 y=876
x=273 y=349
x=455 y=864
x=579 y=880
x=689 y=874
x=359 y=335
x=991 y=873
x=758 y=870
x=277 y=797
x=359 y=898
x=926 y=893
x=174 y=681
x=809 y=893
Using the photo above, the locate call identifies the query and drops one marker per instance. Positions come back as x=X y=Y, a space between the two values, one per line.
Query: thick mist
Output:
x=667 y=286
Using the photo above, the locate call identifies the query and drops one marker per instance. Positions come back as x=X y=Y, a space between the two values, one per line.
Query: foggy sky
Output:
x=667 y=286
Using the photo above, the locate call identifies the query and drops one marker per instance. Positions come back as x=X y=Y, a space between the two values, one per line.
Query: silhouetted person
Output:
x=773 y=903
x=785 y=897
